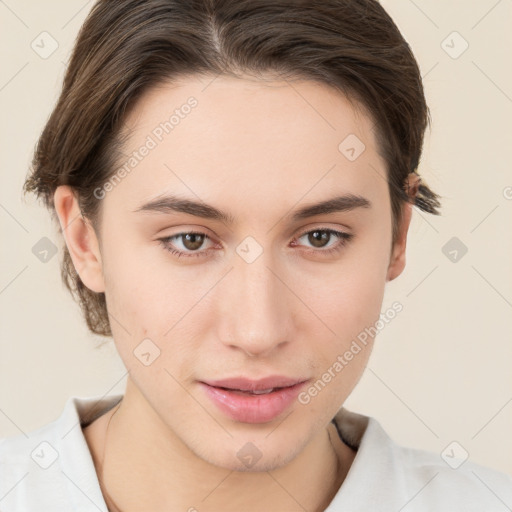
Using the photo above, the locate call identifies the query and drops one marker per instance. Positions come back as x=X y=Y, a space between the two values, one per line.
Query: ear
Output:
x=81 y=240
x=397 y=260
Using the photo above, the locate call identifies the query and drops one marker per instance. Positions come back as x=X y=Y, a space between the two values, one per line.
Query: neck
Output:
x=144 y=466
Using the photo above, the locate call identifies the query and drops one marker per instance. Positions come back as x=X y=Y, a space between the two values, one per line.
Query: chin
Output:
x=246 y=455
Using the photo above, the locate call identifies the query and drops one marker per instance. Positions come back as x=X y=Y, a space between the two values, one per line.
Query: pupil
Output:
x=193 y=241
x=317 y=238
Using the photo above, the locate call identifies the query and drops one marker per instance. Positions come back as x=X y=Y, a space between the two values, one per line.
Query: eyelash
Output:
x=344 y=239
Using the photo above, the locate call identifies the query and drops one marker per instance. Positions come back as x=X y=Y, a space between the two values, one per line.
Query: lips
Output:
x=253 y=401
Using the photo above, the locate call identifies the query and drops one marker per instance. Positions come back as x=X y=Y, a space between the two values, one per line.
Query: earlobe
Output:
x=81 y=239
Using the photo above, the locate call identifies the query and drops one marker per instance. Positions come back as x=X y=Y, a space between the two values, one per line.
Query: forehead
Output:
x=219 y=137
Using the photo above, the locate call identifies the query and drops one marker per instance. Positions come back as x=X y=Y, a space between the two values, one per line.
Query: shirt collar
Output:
x=373 y=477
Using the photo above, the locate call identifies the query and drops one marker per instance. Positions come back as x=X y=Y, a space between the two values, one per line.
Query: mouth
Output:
x=249 y=392
x=249 y=401
x=264 y=384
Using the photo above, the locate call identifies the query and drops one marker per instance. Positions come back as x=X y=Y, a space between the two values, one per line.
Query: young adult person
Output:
x=234 y=181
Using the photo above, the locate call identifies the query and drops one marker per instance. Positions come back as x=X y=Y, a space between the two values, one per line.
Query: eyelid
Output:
x=320 y=227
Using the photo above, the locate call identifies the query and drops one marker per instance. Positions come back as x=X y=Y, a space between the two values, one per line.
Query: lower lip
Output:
x=248 y=408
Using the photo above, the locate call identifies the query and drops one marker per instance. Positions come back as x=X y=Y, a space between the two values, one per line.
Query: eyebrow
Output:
x=175 y=204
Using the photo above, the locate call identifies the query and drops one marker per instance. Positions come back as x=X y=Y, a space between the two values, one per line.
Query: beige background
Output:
x=441 y=370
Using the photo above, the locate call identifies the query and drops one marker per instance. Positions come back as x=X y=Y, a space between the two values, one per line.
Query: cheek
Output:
x=151 y=305
x=143 y=289
x=348 y=295
x=350 y=306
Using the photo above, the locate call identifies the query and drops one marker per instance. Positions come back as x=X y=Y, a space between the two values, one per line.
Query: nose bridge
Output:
x=255 y=316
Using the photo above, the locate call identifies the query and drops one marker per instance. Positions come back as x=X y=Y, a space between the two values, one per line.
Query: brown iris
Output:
x=192 y=241
x=319 y=237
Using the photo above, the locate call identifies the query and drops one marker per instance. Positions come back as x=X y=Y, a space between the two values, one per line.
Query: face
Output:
x=195 y=296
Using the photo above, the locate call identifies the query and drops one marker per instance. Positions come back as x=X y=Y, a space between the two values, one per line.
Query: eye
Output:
x=319 y=239
x=191 y=242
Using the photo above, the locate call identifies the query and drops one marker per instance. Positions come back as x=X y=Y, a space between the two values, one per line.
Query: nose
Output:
x=255 y=313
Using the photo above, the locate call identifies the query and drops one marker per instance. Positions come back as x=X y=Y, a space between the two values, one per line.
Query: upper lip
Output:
x=244 y=384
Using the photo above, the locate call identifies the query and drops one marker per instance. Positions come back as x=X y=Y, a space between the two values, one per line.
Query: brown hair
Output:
x=127 y=46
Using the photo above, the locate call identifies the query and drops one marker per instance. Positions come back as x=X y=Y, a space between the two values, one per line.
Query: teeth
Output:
x=254 y=392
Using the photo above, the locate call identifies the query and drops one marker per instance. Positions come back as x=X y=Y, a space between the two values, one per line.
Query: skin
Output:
x=258 y=150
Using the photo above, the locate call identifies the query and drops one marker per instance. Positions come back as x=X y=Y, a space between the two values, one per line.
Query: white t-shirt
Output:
x=51 y=470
